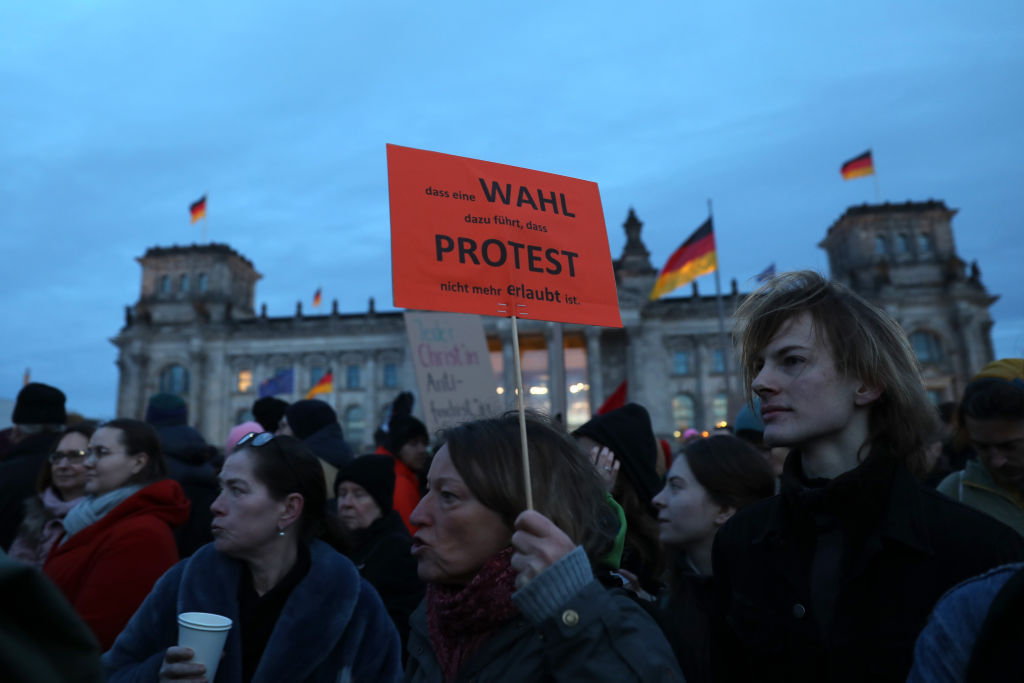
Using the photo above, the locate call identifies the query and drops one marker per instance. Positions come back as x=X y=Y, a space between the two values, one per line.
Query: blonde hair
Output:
x=865 y=342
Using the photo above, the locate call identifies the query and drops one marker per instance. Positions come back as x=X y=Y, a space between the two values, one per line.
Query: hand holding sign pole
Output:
x=470 y=236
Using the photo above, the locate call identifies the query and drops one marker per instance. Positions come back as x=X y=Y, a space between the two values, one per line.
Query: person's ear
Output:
x=292 y=510
x=866 y=394
x=140 y=461
x=725 y=512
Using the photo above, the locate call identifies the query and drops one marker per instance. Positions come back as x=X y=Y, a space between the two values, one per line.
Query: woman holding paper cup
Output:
x=510 y=593
x=298 y=610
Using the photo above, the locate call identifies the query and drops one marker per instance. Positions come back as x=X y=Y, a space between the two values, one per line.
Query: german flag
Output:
x=324 y=386
x=198 y=209
x=695 y=258
x=858 y=166
x=318 y=297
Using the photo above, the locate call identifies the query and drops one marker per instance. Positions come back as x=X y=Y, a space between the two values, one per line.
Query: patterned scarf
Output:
x=461 y=618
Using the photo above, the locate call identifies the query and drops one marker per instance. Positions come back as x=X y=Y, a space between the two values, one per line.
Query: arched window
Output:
x=682 y=411
x=927 y=346
x=355 y=425
x=183 y=283
x=165 y=284
x=902 y=245
x=174 y=380
x=720 y=408
x=924 y=243
x=202 y=282
x=880 y=246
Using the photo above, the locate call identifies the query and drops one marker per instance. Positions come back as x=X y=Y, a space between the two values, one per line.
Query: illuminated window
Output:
x=244 y=381
x=682 y=411
x=720 y=408
x=355 y=424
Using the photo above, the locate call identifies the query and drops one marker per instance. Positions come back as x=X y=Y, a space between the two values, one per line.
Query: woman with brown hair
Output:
x=118 y=540
x=510 y=593
x=708 y=482
x=61 y=484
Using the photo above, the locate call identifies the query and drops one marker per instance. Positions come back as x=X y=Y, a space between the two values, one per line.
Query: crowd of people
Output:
x=842 y=529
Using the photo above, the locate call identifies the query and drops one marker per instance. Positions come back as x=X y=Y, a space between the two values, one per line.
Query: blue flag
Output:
x=283 y=382
x=766 y=274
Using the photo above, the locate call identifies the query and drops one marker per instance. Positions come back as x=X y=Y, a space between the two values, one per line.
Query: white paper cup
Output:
x=205 y=634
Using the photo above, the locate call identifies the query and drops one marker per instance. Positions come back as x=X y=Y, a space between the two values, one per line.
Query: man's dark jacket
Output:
x=188 y=462
x=888 y=548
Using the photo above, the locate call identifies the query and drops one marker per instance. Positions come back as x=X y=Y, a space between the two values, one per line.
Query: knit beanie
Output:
x=268 y=411
x=166 y=410
x=1005 y=368
x=376 y=474
x=309 y=416
x=402 y=429
x=39 y=404
x=628 y=433
x=748 y=419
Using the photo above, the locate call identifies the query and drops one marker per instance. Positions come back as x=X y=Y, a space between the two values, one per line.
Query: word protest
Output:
x=471 y=236
x=453 y=368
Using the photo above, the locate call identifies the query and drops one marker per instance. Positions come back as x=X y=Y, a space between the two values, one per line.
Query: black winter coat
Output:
x=18 y=473
x=188 y=462
x=901 y=547
x=381 y=554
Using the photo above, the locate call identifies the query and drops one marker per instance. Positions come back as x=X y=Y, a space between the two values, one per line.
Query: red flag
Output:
x=616 y=400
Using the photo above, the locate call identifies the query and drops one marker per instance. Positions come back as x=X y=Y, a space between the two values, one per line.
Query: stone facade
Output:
x=194 y=331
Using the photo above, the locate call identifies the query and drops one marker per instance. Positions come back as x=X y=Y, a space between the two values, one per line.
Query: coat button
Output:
x=799 y=611
x=570 y=617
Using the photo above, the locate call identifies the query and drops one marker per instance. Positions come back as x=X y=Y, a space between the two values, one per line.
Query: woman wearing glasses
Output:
x=118 y=539
x=300 y=611
x=61 y=483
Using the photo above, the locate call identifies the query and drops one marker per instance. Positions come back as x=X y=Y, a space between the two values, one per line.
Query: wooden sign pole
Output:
x=521 y=399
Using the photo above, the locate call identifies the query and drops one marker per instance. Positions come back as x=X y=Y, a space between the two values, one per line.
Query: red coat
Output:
x=108 y=568
x=407 y=489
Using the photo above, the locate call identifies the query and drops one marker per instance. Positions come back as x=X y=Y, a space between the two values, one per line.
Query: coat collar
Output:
x=326 y=597
x=880 y=498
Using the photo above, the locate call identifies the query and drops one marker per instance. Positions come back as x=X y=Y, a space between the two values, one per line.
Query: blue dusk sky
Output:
x=115 y=115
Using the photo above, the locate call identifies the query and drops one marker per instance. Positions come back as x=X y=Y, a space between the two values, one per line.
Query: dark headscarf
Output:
x=628 y=433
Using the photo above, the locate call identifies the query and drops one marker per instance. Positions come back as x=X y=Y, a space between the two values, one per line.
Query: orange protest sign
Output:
x=470 y=236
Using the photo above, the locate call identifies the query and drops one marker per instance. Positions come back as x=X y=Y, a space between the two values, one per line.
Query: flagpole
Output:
x=522 y=413
x=878 y=189
x=722 y=340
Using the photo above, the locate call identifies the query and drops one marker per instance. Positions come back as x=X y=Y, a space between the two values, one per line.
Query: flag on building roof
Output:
x=858 y=166
x=766 y=274
x=198 y=209
x=318 y=297
x=694 y=258
x=283 y=382
x=324 y=386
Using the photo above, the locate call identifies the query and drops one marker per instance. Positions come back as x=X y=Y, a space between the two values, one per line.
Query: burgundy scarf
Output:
x=461 y=618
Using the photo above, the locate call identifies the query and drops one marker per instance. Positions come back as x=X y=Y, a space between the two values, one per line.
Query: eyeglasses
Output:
x=254 y=439
x=73 y=457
